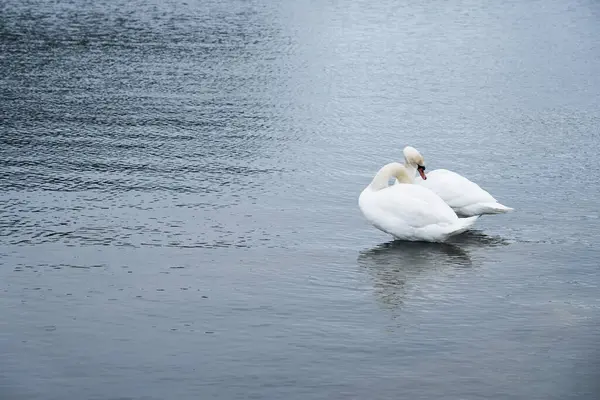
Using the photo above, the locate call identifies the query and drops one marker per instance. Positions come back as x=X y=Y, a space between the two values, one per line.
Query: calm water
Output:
x=178 y=199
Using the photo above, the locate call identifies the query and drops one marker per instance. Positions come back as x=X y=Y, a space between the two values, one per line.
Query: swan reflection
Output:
x=477 y=238
x=394 y=264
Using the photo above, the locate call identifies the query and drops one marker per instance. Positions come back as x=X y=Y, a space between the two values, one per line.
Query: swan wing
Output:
x=411 y=205
x=456 y=190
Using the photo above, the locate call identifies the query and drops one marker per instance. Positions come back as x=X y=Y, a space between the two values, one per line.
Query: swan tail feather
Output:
x=495 y=208
x=464 y=224
x=483 y=209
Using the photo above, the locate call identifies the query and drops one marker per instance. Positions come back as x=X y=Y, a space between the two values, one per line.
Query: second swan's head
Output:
x=415 y=159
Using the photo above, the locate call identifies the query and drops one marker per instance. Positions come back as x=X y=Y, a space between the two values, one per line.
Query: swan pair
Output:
x=426 y=210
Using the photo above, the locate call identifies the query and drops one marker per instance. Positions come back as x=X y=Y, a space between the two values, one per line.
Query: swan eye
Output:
x=421 y=167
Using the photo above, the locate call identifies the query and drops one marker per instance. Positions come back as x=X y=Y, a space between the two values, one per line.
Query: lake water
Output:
x=179 y=185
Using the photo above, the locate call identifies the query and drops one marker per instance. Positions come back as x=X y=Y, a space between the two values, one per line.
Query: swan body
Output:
x=407 y=211
x=465 y=197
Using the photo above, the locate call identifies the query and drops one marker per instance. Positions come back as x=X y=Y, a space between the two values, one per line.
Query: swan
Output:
x=407 y=211
x=465 y=197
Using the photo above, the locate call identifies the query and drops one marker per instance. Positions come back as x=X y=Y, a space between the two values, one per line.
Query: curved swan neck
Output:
x=411 y=171
x=382 y=178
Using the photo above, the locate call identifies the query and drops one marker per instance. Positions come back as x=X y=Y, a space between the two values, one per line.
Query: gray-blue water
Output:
x=178 y=199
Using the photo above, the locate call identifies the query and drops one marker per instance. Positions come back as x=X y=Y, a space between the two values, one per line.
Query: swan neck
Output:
x=382 y=178
x=411 y=171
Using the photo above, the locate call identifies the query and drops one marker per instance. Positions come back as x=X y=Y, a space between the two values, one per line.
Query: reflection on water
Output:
x=393 y=265
x=478 y=238
x=414 y=253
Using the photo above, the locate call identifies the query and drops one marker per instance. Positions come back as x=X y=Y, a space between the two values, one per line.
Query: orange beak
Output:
x=422 y=172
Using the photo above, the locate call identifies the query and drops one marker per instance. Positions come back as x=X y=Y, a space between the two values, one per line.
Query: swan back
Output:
x=464 y=196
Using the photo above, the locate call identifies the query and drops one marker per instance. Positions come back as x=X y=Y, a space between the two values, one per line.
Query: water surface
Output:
x=179 y=184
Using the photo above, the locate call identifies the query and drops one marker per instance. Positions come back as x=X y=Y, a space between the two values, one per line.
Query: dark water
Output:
x=179 y=183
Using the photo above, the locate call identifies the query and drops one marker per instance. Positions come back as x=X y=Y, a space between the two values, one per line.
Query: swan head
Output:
x=415 y=159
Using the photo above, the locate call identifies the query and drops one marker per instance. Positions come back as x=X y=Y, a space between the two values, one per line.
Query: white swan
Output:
x=407 y=211
x=465 y=197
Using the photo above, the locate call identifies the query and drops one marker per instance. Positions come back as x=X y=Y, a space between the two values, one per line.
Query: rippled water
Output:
x=179 y=186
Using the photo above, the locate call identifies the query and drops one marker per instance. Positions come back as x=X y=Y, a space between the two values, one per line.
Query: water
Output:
x=179 y=185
